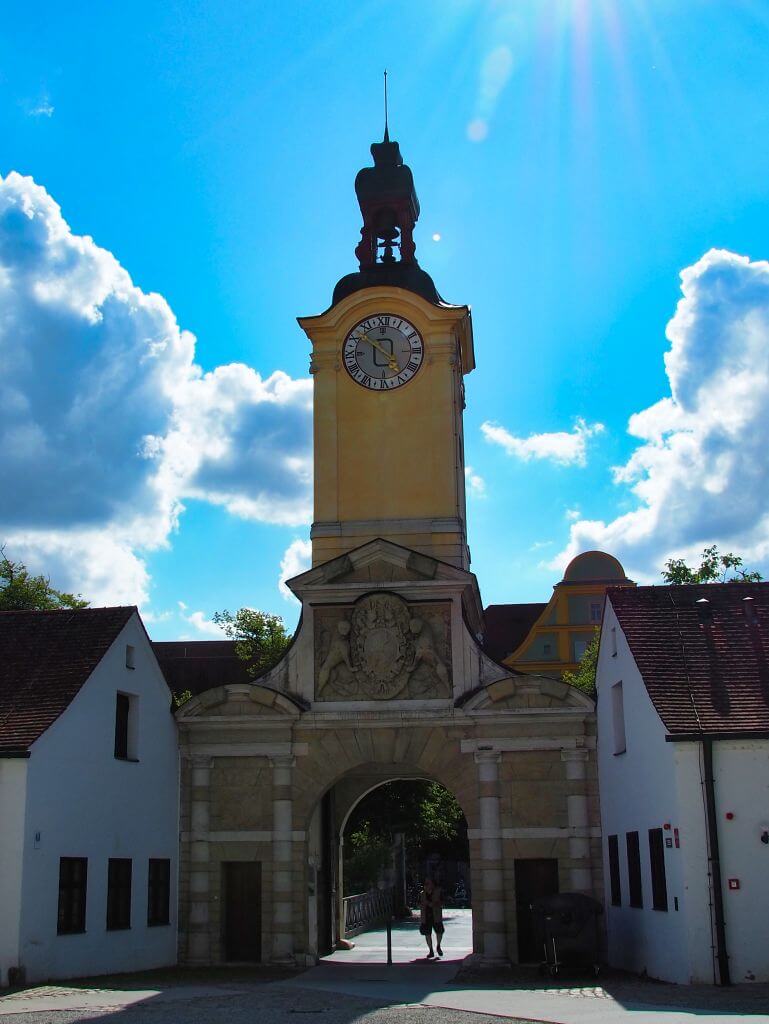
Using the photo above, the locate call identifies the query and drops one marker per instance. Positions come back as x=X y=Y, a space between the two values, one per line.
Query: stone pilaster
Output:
x=282 y=853
x=492 y=907
x=199 y=943
x=580 y=876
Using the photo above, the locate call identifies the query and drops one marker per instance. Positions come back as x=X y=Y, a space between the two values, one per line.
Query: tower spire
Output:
x=386 y=131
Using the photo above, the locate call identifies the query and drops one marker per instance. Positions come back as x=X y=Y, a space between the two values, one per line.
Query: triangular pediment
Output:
x=378 y=561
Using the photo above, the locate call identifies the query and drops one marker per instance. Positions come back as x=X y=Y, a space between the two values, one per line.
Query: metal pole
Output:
x=389 y=939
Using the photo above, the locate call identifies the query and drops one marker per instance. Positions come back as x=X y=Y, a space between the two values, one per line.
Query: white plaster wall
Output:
x=741 y=770
x=13 y=787
x=638 y=791
x=85 y=803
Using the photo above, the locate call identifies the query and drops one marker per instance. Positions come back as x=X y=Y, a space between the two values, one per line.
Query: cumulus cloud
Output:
x=562 y=447
x=476 y=485
x=700 y=473
x=296 y=558
x=107 y=424
x=202 y=626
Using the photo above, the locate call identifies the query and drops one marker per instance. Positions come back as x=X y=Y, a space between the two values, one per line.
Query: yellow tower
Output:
x=388 y=360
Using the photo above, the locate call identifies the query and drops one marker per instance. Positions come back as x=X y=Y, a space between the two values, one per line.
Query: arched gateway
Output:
x=386 y=677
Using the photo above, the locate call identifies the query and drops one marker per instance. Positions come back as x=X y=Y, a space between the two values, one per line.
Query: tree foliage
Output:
x=260 y=639
x=584 y=677
x=714 y=568
x=425 y=812
x=20 y=590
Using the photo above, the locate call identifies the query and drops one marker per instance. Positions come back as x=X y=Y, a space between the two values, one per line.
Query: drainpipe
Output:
x=722 y=956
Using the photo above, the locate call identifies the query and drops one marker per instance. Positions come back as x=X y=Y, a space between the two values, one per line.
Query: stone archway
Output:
x=326 y=840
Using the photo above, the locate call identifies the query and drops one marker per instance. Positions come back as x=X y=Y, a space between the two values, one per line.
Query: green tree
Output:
x=584 y=677
x=20 y=590
x=714 y=568
x=260 y=639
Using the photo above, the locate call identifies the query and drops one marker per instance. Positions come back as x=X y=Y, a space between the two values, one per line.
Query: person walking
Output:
x=431 y=917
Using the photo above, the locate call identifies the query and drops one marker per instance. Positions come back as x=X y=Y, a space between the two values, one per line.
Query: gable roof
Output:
x=200 y=665
x=703 y=653
x=507 y=626
x=45 y=658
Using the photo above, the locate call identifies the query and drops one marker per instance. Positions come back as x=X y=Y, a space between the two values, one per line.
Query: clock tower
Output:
x=388 y=361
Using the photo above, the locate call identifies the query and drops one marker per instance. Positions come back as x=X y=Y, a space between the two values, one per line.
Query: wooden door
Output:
x=533 y=878
x=242 y=911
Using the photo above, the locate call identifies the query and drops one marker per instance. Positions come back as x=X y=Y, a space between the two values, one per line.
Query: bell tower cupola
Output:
x=388 y=361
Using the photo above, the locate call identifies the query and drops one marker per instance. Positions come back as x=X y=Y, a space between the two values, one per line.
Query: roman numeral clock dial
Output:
x=383 y=352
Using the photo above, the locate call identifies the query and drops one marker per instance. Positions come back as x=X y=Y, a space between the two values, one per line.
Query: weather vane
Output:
x=386 y=131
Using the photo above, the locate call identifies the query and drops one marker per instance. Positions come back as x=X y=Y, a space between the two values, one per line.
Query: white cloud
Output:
x=476 y=485
x=564 y=448
x=43 y=108
x=199 y=622
x=572 y=514
x=107 y=424
x=296 y=558
x=701 y=471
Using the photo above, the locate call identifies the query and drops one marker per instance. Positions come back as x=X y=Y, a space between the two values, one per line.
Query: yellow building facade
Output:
x=551 y=638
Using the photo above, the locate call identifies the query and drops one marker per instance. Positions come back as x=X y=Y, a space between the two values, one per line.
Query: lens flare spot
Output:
x=436 y=237
x=477 y=130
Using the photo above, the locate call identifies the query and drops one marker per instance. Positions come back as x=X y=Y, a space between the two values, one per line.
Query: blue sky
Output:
x=574 y=156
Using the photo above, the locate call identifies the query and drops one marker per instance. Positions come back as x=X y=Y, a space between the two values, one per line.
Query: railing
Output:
x=366 y=910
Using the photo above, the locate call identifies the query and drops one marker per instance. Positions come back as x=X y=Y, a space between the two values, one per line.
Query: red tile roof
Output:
x=45 y=658
x=507 y=626
x=703 y=652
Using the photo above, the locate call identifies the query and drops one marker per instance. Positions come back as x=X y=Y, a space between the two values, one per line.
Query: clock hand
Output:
x=391 y=361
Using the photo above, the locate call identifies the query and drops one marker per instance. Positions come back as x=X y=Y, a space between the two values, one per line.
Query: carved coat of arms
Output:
x=379 y=643
x=381 y=648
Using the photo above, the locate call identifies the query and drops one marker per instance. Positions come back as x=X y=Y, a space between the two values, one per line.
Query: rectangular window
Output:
x=119 y=893
x=580 y=646
x=657 y=861
x=73 y=877
x=595 y=611
x=130 y=656
x=618 y=718
x=614 y=882
x=634 y=870
x=126 y=726
x=122 y=714
x=158 y=891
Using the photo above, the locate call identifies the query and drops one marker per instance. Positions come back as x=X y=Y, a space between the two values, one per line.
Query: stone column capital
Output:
x=282 y=760
x=488 y=756
x=575 y=754
x=200 y=760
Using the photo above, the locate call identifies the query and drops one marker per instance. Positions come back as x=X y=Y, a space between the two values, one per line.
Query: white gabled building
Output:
x=683 y=761
x=88 y=797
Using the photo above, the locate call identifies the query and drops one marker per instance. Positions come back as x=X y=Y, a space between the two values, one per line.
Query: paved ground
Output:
x=358 y=987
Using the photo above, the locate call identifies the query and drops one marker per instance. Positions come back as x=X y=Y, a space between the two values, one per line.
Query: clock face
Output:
x=383 y=352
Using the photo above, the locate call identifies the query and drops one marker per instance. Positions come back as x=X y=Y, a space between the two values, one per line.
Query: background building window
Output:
x=635 y=891
x=580 y=646
x=73 y=877
x=595 y=611
x=119 y=893
x=618 y=718
x=159 y=891
x=614 y=882
x=657 y=861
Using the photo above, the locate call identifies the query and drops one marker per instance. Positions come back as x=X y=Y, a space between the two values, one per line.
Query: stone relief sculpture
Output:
x=338 y=653
x=381 y=649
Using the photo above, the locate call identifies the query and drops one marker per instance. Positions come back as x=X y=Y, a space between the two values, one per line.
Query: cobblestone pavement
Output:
x=272 y=1003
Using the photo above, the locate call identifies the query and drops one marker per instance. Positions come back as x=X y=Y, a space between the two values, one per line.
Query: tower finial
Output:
x=386 y=131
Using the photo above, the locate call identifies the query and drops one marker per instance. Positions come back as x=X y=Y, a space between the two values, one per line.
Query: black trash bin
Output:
x=566 y=926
